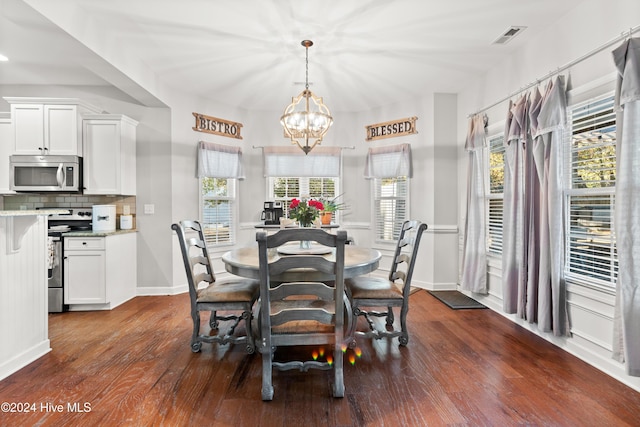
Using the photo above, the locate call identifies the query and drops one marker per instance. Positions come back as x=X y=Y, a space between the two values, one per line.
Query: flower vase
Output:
x=305 y=244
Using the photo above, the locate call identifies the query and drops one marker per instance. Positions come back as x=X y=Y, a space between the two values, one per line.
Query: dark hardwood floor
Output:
x=133 y=366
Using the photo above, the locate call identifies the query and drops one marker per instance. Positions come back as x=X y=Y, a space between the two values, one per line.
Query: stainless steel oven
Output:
x=76 y=219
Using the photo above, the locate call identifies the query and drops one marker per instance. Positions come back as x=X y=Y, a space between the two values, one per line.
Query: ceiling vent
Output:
x=508 y=35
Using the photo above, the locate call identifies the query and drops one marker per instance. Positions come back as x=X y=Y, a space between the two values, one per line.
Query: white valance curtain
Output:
x=219 y=161
x=627 y=311
x=533 y=250
x=290 y=161
x=474 y=255
x=389 y=162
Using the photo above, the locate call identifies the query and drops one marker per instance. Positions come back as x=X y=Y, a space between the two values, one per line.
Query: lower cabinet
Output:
x=99 y=272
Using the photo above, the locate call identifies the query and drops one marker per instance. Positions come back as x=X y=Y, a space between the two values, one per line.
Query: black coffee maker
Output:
x=272 y=213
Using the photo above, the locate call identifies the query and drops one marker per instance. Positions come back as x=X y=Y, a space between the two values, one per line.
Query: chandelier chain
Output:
x=306 y=85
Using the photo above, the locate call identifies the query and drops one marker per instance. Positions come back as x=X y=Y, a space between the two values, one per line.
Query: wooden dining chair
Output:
x=208 y=294
x=370 y=292
x=302 y=303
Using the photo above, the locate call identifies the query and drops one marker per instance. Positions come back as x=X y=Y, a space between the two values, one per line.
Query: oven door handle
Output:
x=60 y=176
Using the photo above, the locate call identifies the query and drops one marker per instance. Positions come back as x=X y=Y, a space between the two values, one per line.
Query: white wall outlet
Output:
x=149 y=209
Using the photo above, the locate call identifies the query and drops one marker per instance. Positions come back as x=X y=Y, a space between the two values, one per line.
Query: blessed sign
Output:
x=391 y=129
x=217 y=126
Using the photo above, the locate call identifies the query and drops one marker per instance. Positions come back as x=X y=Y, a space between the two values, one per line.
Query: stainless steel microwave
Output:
x=62 y=174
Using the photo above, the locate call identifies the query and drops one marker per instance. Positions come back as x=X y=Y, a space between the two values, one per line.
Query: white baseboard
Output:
x=161 y=290
x=23 y=359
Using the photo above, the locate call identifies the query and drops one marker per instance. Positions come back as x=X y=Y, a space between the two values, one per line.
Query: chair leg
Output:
x=338 y=384
x=267 y=386
x=196 y=344
x=246 y=315
x=390 y=316
x=213 y=320
x=351 y=332
x=403 y=339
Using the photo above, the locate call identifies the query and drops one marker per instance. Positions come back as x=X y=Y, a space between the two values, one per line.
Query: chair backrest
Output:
x=195 y=256
x=406 y=253
x=316 y=277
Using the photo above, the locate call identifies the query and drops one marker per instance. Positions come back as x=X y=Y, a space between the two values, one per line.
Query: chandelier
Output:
x=306 y=120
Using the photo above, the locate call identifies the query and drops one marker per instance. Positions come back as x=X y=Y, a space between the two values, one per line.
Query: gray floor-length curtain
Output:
x=514 y=222
x=474 y=255
x=532 y=250
x=548 y=131
x=627 y=209
x=535 y=202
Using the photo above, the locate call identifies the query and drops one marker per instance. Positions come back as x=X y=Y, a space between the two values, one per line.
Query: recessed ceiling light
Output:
x=3 y=58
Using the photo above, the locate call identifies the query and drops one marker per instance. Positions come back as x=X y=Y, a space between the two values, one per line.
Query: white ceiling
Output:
x=247 y=53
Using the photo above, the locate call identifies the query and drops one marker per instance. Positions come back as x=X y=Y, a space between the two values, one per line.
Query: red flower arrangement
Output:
x=305 y=212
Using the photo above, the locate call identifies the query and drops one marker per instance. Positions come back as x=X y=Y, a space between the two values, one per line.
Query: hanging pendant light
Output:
x=306 y=120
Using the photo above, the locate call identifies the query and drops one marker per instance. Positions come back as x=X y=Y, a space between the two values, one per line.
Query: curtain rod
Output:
x=353 y=147
x=550 y=74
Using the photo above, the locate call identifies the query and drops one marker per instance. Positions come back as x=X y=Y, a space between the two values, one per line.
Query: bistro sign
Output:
x=391 y=129
x=217 y=126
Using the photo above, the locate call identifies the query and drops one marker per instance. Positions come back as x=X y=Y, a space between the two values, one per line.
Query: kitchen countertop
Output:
x=33 y=212
x=90 y=233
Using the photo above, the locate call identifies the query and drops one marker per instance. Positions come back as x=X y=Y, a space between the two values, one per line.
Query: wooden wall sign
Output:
x=217 y=126
x=391 y=129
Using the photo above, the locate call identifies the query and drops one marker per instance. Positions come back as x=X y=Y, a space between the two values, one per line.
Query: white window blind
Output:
x=218 y=205
x=591 y=246
x=284 y=189
x=390 y=207
x=495 y=194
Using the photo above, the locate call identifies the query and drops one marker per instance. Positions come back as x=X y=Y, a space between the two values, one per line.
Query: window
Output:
x=390 y=198
x=495 y=194
x=218 y=204
x=591 y=247
x=284 y=189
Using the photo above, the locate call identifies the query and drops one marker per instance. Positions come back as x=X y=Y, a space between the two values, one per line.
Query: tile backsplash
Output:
x=33 y=201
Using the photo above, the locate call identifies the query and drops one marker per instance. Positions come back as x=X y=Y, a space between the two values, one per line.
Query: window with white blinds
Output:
x=218 y=202
x=391 y=197
x=591 y=162
x=495 y=195
x=283 y=189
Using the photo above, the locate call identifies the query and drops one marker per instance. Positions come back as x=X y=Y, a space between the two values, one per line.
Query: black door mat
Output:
x=456 y=300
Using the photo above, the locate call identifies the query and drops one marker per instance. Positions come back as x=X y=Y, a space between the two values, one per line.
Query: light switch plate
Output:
x=149 y=209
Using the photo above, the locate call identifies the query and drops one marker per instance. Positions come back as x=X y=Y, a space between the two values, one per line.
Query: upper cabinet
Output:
x=47 y=126
x=109 y=154
x=6 y=143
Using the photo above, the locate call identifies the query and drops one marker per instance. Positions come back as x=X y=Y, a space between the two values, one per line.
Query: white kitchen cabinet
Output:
x=99 y=272
x=109 y=154
x=43 y=126
x=6 y=144
x=84 y=270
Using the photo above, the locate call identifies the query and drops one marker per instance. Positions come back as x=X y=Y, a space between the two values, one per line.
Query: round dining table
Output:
x=244 y=262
